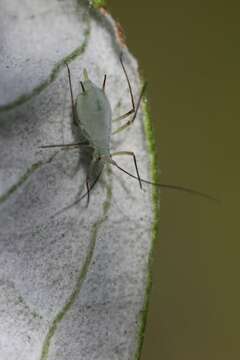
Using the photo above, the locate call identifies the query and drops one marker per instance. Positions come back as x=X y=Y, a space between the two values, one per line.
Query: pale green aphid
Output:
x=93 y=115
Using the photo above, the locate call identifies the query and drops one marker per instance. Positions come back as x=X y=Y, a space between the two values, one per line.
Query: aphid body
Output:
x=92 y=114
x=94 y=117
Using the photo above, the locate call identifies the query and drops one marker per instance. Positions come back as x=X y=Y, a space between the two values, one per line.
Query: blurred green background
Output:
x=189 y=53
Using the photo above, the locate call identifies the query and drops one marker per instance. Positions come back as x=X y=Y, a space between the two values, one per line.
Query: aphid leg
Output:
x=65 y=146
x=124 y=116
x=129 y=153
x=104 y=82
x=72 y=98
x=129 y=122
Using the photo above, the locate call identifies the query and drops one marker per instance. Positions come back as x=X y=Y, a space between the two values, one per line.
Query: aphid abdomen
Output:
x=95 y=117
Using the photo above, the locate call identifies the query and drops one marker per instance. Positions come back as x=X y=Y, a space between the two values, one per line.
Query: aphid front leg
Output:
x=129 y=153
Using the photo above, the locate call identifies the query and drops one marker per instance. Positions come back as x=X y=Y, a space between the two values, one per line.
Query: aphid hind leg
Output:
x=129 y=153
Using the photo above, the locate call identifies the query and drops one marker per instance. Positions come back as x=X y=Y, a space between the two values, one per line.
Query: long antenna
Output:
x=170 y=187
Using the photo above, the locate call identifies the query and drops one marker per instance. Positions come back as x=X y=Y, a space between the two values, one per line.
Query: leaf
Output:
x=73 y=279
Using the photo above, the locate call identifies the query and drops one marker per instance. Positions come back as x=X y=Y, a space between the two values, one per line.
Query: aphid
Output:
x=92 y=113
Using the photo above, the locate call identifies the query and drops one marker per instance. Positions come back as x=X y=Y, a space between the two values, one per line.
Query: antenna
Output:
x=170 y=187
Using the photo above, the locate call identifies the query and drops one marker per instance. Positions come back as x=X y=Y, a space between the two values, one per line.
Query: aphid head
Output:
x=86 y=84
